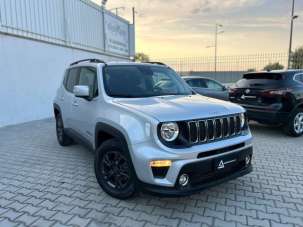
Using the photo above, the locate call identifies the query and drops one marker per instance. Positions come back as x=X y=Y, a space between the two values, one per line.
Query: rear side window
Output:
x=71 y=79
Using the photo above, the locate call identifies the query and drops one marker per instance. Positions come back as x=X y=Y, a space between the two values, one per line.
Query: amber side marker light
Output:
x=160 y=163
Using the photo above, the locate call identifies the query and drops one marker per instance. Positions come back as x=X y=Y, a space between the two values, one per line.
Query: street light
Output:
x=217 y=32
x=292 y=18
x=117 y=9
x=103 y=2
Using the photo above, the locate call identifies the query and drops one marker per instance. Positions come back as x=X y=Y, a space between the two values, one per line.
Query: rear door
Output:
x=255 y=88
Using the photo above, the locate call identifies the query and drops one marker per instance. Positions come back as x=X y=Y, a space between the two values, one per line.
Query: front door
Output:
x=84 y=108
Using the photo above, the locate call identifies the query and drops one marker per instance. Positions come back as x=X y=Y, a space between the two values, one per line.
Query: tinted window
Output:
x=263 y=76
x=213 y=85
x=88 y=77
x=143 y=81
x=72 y=79
x=299 y=77
x=259 y=80
x=197 y=83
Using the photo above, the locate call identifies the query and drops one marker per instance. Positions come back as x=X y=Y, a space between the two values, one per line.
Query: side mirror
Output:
x=81 y=91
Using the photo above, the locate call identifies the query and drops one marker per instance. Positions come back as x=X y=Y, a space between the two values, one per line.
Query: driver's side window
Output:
x=88 y=77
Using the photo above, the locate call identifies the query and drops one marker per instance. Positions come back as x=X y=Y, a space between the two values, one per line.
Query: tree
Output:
x=273 y=66
x=297 y=59
x=141 y=57
x=251 y=70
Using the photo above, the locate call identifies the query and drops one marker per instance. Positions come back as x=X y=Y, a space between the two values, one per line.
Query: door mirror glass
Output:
x=81 y=91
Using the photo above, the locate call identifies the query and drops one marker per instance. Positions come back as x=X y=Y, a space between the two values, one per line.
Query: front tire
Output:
x=114 y=170
x=294 y=127
x=63 y=139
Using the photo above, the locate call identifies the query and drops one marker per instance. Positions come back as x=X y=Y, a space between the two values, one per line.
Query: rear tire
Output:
x=294 y=126
x=114 y=170
x=63 y=139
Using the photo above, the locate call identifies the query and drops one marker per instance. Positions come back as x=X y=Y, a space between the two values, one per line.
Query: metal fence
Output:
x=73 y=23
x=230 y=68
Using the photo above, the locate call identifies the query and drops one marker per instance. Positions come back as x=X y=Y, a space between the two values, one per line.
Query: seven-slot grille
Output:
x=202 y=131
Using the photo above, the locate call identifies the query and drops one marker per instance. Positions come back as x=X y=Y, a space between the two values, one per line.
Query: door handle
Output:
x=75 y=103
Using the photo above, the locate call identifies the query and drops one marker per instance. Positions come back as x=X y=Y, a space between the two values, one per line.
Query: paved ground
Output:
x=43 y=184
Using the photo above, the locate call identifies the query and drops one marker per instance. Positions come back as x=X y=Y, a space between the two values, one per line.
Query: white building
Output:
x=40 y=38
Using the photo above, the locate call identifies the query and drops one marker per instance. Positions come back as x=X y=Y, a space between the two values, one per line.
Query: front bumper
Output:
x=205 y=173
x=143 y=153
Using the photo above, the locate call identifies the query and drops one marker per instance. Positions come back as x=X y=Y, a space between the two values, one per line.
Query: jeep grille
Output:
x=208 y=130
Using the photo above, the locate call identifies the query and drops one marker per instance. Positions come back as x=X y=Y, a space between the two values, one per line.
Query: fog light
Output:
x=160 y=163
x=247 y=160
x=184 y=180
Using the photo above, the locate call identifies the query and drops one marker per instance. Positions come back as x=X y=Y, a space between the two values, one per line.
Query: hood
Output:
x=179 y=108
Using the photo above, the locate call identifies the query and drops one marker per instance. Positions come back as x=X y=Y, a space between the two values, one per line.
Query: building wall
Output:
x=39 y=39
x=30 y=73
x=73 y=23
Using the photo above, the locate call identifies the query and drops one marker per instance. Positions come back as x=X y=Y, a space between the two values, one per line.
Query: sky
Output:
x=184 y=28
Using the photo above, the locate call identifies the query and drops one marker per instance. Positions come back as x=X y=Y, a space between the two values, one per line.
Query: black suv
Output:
x=274 y=97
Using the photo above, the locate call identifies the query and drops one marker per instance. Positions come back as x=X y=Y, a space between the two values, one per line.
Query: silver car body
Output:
x=137 y=119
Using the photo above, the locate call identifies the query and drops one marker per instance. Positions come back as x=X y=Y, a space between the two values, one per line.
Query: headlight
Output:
x=242 y=120
x=169 y=131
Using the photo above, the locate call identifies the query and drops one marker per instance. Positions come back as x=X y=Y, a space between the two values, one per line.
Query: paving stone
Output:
x=78 y=221
x=62 y=217
x=220 y=223
x=27 y=219
x=41 y=222
x=11 y=215
x=168 y=221
x=56 y=186
x=7 y=223
x=45 y=213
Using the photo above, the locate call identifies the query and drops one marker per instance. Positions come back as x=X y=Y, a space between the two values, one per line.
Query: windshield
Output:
x=135 y=81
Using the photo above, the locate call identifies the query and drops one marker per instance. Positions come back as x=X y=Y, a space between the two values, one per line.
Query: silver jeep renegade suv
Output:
x=149 y=130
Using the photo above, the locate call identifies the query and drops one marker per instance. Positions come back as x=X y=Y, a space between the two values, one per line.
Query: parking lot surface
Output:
x=43 y=184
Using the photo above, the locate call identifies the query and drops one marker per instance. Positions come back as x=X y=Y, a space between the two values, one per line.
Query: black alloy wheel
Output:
x=62 y=137
x=114 y=170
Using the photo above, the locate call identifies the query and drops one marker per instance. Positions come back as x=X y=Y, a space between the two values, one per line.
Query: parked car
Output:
x=207 y=87
x=274 y=97
x=148 y=130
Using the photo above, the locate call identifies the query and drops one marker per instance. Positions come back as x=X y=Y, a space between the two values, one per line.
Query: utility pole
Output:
x=134 y=24
x=117 y=9
x=293 y=17
x=217 y=32
x=216 y=47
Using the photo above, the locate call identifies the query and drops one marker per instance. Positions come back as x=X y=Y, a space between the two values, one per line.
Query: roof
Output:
x=284 y=71
x=113 y=63
x=196 y=77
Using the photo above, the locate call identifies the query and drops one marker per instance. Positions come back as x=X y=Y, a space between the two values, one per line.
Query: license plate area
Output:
x=226 y=163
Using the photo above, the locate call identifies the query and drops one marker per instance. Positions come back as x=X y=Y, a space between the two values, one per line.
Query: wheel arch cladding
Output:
x=104 y=132
x=57 y=109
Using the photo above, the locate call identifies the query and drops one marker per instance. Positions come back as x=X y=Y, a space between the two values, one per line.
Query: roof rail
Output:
x=93 y=60
x=155 y=63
